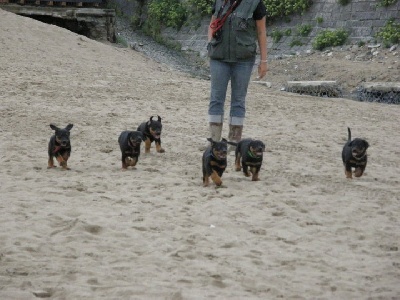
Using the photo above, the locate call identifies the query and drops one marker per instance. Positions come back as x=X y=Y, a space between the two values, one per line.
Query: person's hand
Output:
x=262 y=69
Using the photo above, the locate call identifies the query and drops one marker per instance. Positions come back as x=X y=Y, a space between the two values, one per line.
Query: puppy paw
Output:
x=358 y=172
x=161 y=150
x=218 y=182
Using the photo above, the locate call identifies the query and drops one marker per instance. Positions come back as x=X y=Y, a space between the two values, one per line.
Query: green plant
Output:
x=288 y=32
x=361 y=43
x=295 y=43
x=120 y=40
x=330 y=38
x=386 y=3
x=390 y=33
x=343 y=2
x=282 y=8
x=170 y=13
x=276 y=35
x=304 y=30
x=319 y=20
x=202 y=7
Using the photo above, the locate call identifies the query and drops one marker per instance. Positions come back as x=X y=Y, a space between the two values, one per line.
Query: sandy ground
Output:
x=303 y=231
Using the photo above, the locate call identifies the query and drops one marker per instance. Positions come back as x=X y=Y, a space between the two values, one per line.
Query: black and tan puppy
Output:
x=249 y=155
x=59 y=146
x=129 y=143
x=151 y=131
x=214 y=161
x=354 y=155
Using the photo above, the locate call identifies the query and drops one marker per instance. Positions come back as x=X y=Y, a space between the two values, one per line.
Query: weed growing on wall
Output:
x=282 y=8
x=330 y=38
x=390 y=34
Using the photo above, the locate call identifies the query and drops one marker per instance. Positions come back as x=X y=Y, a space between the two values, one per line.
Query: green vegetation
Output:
x=276 y=35
x=330 y=38
x=295 y=43
x=120 y=40
x=361 y=44
x=386 y=3
x=200 y=7
x=304 y=30
x=170 y=13
x=319 y=20
x=390 y=34
x=343 y=2
x=282 y=8
x=288 y=32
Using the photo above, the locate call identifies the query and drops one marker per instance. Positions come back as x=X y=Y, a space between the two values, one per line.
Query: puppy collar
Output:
x=359 y=158
x=251 y=154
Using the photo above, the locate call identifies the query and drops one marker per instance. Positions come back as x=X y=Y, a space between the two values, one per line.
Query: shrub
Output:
x=276 y=35
x=390 y=34
x=343 y=2
x=361 y=44
x=319 y=20
x=202 y=7
x=170 y=13
x=282 y=8
x=295 y=43
x=304 y=30
x=386 y=3
x=288 y=32
x=330 y=38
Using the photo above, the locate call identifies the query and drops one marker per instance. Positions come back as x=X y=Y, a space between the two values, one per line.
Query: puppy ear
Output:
x=210 y=140
x=366 y=145
x=54 y=127
x=151 y=118
x=69 y=127
x=224 y=140
x=159 y=118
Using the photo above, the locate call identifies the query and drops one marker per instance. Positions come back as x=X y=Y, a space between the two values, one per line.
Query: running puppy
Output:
x=129 y=143
x=151 y=131
x=59 y=146
x=214 y=161
x=249 y=155
x=354 y=155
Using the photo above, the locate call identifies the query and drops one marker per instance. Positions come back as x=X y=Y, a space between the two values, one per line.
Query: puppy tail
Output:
x=349 y=134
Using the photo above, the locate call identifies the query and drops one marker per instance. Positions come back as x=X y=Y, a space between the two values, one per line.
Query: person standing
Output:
x=235 y=28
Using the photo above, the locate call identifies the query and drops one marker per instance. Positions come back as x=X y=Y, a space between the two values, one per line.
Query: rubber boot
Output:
x=215 y=134
x=235 y=135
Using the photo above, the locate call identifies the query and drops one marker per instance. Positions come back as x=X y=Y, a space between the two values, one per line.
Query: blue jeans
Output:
x=239 y=74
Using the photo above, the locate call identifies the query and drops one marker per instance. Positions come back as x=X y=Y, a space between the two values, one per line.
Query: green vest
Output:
x=239 y=34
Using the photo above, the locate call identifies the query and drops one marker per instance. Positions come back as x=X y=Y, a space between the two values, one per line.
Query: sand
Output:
x=303 y=231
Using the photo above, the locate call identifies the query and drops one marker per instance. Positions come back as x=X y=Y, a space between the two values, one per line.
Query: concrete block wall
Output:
x=361 y=18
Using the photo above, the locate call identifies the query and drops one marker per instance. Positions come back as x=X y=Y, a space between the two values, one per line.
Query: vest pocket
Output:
x=215 y=49
x=245 y=45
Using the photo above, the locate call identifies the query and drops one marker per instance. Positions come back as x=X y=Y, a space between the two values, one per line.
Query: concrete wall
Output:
x=361 y=18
